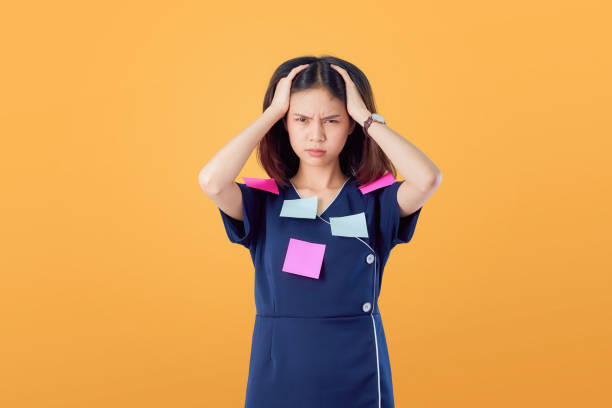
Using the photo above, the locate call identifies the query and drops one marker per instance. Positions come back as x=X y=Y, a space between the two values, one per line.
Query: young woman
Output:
x=318 y=339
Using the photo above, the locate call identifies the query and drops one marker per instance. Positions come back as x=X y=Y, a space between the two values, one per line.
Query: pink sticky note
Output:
x=383 y=181
x=262 y=184
x=304 y=258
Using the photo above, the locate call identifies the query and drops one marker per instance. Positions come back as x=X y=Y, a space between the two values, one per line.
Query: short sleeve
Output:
x=393 y=228
x=244 y=232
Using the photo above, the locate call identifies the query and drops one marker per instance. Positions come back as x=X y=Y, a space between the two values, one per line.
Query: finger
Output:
x=341 y=71
x=337 y=67
x=294 y=71
x=299 y=67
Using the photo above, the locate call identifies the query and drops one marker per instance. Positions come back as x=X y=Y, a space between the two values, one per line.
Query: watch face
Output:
x=377 y=117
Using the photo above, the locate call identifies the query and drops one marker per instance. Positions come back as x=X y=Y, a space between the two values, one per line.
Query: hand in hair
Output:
x=280 y=101
x=355 y=105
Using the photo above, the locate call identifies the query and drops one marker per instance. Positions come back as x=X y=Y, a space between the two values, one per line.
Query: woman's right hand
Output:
x=280 y=101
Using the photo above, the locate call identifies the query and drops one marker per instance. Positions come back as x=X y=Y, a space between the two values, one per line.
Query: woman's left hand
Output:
x=354 y=103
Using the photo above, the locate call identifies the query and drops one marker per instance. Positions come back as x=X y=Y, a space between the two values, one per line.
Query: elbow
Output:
x=206 y=184
x=435 y=180
x=206 y=174
x=203 y=178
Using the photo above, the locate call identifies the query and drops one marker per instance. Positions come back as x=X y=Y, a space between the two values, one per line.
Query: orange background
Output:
x=120 y=287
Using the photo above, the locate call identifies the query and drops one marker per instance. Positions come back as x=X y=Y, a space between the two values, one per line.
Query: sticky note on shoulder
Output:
x=349 y=225
x=262 y=184
x=380 y=182
x=304 y=258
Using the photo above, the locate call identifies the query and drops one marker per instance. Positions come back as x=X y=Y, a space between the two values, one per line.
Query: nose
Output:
x=317 y=133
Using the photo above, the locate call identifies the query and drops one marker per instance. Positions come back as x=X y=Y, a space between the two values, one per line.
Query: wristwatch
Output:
x=373 y=117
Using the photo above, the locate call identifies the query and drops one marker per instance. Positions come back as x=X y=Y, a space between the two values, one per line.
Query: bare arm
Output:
x=424 y=176
x=217 y=177
x=225 y=165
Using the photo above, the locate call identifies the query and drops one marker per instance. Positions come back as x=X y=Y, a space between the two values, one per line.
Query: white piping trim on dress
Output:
x=373 y=293
x=373 y=321
x=377 y=362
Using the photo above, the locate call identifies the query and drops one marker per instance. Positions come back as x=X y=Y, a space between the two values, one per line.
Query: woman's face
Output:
x=317 y=120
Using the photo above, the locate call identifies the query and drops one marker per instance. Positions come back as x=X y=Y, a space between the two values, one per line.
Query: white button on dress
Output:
x=366 y=307
x=370 y=258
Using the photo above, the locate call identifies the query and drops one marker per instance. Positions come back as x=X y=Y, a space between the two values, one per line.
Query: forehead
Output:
x=313 y=101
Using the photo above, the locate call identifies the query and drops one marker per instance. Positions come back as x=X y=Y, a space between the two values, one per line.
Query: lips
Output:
x=316 y=153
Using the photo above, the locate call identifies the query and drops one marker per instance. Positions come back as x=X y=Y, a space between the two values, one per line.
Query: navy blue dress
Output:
x=319 y=342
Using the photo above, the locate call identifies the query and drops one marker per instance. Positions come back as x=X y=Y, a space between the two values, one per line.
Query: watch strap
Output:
x=366 y=125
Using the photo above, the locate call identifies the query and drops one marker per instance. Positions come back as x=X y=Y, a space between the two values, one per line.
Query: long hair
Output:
x=361 y=157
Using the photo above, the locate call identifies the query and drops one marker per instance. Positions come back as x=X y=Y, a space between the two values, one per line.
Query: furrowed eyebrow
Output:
x=327 y=117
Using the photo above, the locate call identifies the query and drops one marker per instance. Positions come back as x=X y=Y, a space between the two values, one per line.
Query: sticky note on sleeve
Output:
x=380 y=182
x=262 y=184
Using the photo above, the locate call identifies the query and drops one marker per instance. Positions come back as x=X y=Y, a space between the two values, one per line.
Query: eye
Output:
x=299 y=119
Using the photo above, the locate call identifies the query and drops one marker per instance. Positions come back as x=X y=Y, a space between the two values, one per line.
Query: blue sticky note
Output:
x=300 y=208
x=349 y=225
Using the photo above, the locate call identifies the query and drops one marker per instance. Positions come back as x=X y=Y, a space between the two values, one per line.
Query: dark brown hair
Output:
x=361 y=156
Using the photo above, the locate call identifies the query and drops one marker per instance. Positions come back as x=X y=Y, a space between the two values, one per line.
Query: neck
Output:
x=316 y=178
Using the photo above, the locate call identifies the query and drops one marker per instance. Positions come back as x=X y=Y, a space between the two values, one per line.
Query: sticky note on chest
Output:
x=349 y=225
x=300 y=208
x=304 y=258
x=380 y=182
